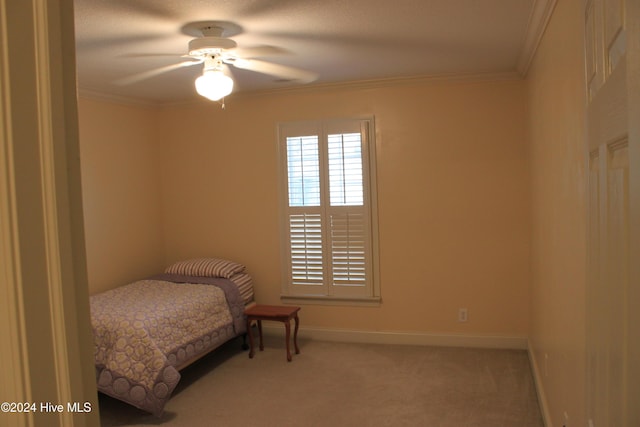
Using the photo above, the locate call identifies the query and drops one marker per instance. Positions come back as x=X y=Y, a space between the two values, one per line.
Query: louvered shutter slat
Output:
x=348 y=249
x=306 y=249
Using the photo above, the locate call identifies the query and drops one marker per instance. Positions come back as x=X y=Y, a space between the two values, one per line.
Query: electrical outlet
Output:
x=463 y=315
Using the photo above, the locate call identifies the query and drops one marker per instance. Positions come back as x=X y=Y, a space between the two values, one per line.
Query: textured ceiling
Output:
x=340 y=40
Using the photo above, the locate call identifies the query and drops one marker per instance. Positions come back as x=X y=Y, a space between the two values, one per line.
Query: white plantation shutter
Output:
x=305 y=225
x=348 y=249
x=345 y=169
x=346 y=199
x=305 y=239
x=328 y=239
x=303 y=171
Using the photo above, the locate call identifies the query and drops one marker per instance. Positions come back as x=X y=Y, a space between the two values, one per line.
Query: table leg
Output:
x=250 y=333
x=287 y=327
x=260 y=332
x=295 y=334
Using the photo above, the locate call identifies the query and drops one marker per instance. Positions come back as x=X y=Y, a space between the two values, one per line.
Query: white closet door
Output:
x=612 y=60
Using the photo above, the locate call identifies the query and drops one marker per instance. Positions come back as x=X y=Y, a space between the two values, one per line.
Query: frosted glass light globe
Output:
x=214 y=85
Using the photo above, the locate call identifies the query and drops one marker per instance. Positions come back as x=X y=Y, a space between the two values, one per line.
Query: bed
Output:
x=145 y=332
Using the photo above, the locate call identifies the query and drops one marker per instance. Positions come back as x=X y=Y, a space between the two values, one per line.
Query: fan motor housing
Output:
x=210 y=45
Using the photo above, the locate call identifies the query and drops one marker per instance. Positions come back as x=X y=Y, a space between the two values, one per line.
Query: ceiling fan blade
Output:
x=87 y=42
x=257 y=51
x=152 y=55
x=151 y=73
x=278 y=70
x=258 y=8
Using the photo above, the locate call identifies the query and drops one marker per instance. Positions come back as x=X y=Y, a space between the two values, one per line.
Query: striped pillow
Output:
x=206 y=267
x=244 y=282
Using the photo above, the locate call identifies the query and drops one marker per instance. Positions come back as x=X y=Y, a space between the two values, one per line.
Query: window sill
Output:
x=329 y=300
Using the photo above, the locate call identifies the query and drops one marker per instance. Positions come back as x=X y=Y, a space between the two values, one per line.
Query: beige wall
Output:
x=453 y=198
x=121 y=193
x=556 y=120
x=454 y=195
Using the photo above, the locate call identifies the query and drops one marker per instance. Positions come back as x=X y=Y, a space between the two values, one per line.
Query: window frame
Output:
x=369 y=294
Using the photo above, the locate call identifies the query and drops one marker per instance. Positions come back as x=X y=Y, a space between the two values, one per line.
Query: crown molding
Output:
x=391 y=82
x=541 y=12
x=116 y=99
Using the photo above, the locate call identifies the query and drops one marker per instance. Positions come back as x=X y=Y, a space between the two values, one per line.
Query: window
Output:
x=329 y=243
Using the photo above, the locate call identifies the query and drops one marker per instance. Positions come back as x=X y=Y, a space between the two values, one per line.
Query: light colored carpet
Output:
x=342 y=384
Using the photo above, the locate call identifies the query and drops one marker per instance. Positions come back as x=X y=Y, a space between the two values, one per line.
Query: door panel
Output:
x=614 y=218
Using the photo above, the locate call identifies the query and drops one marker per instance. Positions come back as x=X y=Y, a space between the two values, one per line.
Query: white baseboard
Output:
x=406 y=338
x=537 y=379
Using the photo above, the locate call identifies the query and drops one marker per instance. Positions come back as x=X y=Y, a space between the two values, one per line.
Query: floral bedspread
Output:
x=145 y=330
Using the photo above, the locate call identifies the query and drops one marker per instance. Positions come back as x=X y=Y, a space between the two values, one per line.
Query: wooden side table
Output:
x=279 y=313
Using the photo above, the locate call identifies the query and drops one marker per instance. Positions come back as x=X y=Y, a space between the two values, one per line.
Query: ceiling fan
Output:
x=213 y=48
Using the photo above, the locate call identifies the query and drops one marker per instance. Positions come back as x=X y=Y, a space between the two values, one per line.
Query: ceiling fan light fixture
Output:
x=214 y=85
